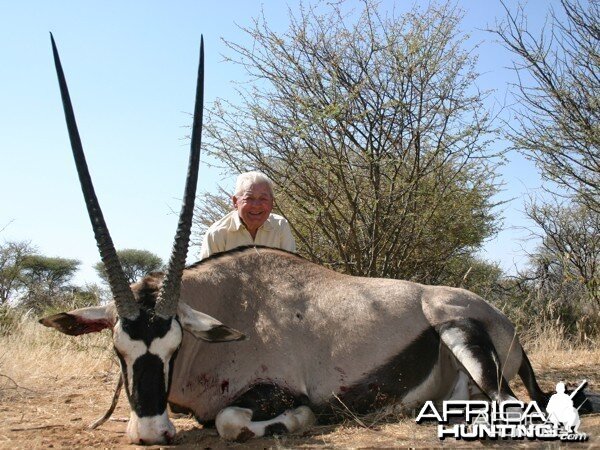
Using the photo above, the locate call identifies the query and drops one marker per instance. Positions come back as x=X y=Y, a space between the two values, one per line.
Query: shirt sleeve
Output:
x=205 y=249
x=210 y=244
x=287 y=239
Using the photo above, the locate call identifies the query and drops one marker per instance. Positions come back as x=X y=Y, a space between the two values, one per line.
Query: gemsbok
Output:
x=313 y=340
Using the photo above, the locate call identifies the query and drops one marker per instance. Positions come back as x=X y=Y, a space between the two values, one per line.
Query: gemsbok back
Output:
x=316 y=339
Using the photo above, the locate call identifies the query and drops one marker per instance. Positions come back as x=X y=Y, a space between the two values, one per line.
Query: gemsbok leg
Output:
x=264 y=410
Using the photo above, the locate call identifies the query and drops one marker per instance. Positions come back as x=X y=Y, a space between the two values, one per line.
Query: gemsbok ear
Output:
x=206 y=327
x=82 y=321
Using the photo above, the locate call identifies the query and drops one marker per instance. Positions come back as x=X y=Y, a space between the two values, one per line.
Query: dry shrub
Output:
x=549 y=340
x=548 y=349
x=547 y=337
x=30 y=350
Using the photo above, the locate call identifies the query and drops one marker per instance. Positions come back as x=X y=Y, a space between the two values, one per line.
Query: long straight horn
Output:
x=168 y=297
x=124 y=300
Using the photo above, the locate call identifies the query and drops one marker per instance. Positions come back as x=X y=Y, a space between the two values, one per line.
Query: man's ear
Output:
x=83 y=321
x=206 y=327
x=234 y=199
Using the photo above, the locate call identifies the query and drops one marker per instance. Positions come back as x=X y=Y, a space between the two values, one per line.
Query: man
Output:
x=251 y=223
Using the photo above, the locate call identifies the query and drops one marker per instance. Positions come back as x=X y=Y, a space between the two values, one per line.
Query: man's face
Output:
x=254 y=205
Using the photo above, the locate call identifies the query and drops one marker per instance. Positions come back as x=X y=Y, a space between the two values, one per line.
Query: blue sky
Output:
x=131 y=68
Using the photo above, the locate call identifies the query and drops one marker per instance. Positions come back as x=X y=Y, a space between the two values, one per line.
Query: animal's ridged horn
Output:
x=168 y=297
x=124 y=300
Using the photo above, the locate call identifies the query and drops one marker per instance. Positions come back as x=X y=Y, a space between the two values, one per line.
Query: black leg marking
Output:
x=388 y=383
x=244 y=435
x=472 y=346
x=276 y=429
x=268 y=401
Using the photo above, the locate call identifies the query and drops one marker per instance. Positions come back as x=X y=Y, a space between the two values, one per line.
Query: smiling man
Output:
x=252 y=222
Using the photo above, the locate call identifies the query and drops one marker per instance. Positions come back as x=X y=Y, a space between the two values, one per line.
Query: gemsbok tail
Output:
x=533 y=388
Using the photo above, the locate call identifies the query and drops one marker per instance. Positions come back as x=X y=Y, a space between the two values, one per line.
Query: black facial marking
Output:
x=146 y=327
x=386 y=384
x=149 y=393
x=268 y=401
x=171 y=367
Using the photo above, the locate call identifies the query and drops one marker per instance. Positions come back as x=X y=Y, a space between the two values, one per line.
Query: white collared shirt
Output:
x=230 y=232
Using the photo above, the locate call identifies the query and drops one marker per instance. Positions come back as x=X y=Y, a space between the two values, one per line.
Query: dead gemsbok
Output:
x=316 y=338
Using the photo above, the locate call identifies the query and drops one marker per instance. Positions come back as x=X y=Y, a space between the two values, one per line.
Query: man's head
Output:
x=253 y=199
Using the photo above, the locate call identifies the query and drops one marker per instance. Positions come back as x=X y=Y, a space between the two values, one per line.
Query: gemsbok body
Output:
x=314 y=342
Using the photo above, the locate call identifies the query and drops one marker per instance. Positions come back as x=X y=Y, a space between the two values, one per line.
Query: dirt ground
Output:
x=46 y=403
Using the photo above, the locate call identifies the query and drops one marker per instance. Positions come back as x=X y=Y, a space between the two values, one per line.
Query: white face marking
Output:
x=154 y=429
x=129 y=349
x=150 y=430
x=163 y=347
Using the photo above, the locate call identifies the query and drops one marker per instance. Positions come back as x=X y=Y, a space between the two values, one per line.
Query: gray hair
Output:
x=247 y=179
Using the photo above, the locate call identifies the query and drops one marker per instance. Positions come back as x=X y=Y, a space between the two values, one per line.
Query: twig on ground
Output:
x=41 y=427
x=16 y=385
x=356 y=419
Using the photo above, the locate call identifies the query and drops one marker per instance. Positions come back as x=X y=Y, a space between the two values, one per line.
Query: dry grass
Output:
x=52 y=386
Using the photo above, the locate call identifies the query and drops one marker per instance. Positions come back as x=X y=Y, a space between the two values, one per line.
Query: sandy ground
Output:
x=48 y=402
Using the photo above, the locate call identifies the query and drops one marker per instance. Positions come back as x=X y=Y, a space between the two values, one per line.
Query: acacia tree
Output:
x=46 y=281
x=373 y=132
x=12 y=256
x=48 y=273
x=558 y=95
x=135 y=263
